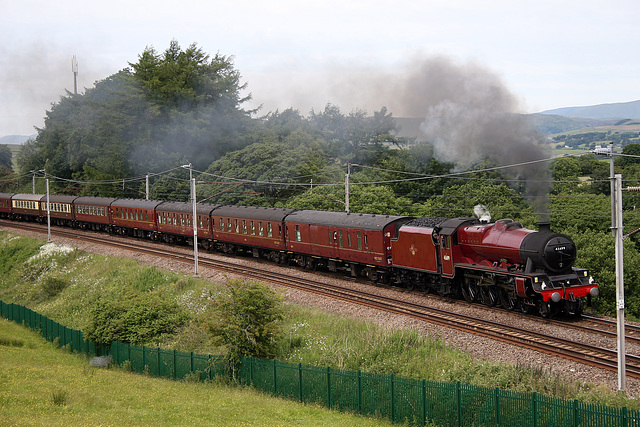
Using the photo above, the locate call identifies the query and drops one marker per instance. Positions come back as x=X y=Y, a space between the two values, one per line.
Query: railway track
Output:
x=584 y=353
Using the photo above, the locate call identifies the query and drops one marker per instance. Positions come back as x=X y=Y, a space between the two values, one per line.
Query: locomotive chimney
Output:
x=544 y=227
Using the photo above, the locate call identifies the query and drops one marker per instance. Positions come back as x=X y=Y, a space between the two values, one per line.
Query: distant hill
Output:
x=16 y=139
x=620 y=110
x=542 y=123
x=556 y=121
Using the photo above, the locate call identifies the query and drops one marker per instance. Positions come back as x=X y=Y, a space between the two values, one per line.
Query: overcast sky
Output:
x=305 y=54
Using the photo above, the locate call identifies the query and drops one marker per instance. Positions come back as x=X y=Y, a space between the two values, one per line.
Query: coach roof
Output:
x=54 y=198
x=135 y=203
x=252 y=212
x=96 y=201
x=23 y=196
x=344 y=219
x=184 y=207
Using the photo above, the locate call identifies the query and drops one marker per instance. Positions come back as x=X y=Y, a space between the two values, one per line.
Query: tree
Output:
x=500 y=200
x=6 y=157
x=187 y=79
x=571 y=212
x=181 y=106
x=246 y=320
x=630 y=150
x=596 y=251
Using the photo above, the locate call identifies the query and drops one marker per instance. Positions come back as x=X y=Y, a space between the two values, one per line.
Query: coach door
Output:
x=446 y=255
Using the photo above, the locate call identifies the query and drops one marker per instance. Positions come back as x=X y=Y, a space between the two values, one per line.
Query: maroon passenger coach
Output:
x=357 y=242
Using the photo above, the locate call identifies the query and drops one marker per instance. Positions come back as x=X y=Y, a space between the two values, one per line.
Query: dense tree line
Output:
x=183 y=106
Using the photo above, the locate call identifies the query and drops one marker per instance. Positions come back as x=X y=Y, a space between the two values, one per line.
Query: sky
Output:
x=355 y=54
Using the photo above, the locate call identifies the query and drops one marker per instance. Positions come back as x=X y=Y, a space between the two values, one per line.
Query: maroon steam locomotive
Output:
x=492 y=264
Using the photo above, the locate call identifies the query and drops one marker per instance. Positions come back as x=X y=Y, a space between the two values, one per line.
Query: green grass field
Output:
x=41 y=385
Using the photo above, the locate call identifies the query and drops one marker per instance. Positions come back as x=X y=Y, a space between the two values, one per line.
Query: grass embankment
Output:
x=64 y=285
x=41 y=385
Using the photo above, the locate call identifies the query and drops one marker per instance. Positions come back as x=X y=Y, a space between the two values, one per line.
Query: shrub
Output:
x=246 y=320
x=136 y=318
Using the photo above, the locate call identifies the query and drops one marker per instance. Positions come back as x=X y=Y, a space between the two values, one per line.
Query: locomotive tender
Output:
x=493 y=264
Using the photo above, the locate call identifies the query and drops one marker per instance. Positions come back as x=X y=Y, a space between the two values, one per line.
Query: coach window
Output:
x=200 y=221
x=359 y=238
x=244 y=226
x=182 y=220
x=349 y=239
x=237 y=227
x=298 y=234
x=366 y=241
x=253 y=229
x=269 y=230
x=260 y=229
x=341 y=244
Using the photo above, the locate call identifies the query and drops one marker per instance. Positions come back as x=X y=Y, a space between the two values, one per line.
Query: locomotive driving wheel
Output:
x=508 y=300
x=470 y=289
x=489 y=295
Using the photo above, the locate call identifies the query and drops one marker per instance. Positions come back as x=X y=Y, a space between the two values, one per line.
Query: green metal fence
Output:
x=170 y=364
x=398 y=399
x=49 y=329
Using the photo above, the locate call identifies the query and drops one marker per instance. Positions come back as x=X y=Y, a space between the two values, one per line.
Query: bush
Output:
x=246 y=320
x=137 y=318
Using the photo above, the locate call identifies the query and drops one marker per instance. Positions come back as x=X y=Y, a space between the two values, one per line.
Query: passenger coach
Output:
x=26 y=207
x=175 y=226
x=5 y=205
x=249 y=228
x=93 y=213
x=340 y=240
x=134 y=217
x=60 y=210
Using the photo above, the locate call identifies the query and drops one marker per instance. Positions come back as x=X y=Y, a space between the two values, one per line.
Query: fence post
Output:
x=624 y=416
x=329 y=387
x=210 y=364
x=534 y=408
x=251 y=370
x=459 y=399
x=497 y=394
x=424 y=402
x=393 y=399
x=300 y=381
x=192 y=359
x=359 y=391
x=275 y=377
x=159 y=366
x=175 y=365
x=576 y=415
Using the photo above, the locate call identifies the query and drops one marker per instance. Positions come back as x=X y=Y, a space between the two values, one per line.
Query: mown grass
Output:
x=310 y=336
x=42 y=385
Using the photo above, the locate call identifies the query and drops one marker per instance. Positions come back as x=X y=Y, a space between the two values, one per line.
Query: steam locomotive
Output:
x=500 y=263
